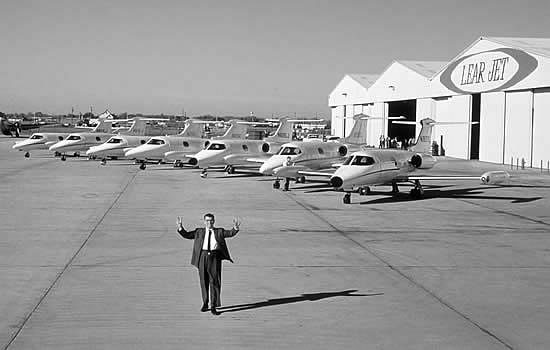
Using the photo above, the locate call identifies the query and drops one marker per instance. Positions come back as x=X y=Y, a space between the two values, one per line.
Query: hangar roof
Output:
x=540 y=46
x=365 y=80
x=425 y=68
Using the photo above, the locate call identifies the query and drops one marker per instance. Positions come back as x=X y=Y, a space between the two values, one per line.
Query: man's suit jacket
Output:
x=200 y=233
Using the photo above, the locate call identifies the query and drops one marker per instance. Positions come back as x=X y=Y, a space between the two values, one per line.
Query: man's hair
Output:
x=209 y=215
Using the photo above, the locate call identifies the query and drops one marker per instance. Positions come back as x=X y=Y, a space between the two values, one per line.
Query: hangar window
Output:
x=185 y=144
x=36 y=137
x=73 y=137
x=114 y=140
x=97 y=138
x=289 y=151
x=216 y=146
x=320 y=150
x=155 y=142
x=245 y=148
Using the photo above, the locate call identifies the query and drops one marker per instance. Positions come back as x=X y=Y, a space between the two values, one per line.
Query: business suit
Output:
x=209 y=263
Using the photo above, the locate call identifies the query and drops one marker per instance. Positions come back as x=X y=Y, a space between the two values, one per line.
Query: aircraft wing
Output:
x=436 y=178
x=488 y=178
x=314 y=173
x=257 y=160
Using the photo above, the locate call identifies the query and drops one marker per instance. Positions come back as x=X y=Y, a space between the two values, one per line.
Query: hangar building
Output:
x=495 y=93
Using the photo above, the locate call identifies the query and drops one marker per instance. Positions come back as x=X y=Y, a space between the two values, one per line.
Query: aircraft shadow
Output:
x=466 y=193
x=238 y=176
x=295 y=299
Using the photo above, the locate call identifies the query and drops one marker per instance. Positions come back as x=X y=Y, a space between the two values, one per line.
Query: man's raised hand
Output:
x=180 y=223
x=237 y=222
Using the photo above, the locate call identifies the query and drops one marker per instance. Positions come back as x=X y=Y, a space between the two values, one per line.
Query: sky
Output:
x=230 y=57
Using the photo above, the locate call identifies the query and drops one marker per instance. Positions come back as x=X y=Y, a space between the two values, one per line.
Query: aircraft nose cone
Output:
x=193 y=161
x=336 y=181
x=265 y=170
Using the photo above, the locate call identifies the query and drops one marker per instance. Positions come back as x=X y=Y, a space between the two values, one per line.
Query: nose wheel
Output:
x=417 y=192
x=230 y=169
x=63 y=158
x=27 y=154
x=142 y=166
x=363 y=191
x=204 y=173
x=277 y=184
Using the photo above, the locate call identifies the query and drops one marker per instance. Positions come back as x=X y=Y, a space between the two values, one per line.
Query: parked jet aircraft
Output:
x=230 y=153
x=313 y=156
x=370 y=167
x=39 y=140
x=188 y=142
x=118 y=145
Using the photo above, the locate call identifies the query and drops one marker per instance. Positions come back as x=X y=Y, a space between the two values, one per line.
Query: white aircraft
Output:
x=371 y=167
x=233 y=152
x=118 y=145
x=177 y=147
x=38 y=141
x=295 y=158
x=80 y=142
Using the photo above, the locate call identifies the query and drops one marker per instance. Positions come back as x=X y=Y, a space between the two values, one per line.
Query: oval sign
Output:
x=488 y=71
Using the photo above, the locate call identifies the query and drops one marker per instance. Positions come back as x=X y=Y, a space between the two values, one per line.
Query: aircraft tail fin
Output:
x=138 y=128
x=358 y=134
x=283 y=132
x=424 y=142
x=192 y=129
x=103 y=125
x=236 y=130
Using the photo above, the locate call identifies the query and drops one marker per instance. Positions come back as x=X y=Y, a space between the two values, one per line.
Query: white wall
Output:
x=456 y=140
x=337 y=120
x=517 y=125
x=377 y=124
x=541 y=128
x=491 y=128
x=425 y=108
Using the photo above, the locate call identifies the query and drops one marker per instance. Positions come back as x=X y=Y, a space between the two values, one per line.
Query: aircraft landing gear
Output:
x=57 y=154
x=204 y=173
x=76 y=154
x=63 y=157
x=27 y=154
x=347 y=198
x=277 y=184
x=92 y=157
x=301 y=180
x=287 y=185
x=394 y=188
x=363 y=191
x=178 y=164
x=417 y=192
x=230 y=169
x=104 y=161
x=142 y=166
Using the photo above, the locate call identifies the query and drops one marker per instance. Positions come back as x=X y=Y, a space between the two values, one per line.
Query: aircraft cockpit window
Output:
x=36 y=137
x=115 y=140
x=289 y=151
x=216 y=146
x=348 y=160
x=73 y=138
x=363 y=160
x=155 y=142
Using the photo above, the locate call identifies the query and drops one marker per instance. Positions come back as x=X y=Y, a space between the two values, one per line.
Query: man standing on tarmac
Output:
x=209 y=249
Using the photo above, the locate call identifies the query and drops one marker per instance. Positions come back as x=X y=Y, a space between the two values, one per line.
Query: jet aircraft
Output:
x=371 y=167
x=178 y=147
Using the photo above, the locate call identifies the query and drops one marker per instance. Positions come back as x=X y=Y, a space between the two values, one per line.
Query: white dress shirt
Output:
x=213 y=242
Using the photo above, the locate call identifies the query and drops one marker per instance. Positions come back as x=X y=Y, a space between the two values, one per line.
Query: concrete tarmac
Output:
x=90 y=258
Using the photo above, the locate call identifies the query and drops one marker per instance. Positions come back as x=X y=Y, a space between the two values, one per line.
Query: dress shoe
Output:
x=204 y=308
x=215 y=312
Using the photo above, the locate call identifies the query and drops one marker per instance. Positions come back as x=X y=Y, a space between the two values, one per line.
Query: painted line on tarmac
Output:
x=402 y=274
x=70 y=262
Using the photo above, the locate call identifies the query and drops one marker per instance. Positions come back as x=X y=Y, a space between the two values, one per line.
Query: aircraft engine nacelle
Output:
x=422 y=161
x=342 y=151
x=494 y=177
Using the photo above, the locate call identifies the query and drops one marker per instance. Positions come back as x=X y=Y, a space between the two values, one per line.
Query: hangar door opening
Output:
x=474 y=127
x=407 y=109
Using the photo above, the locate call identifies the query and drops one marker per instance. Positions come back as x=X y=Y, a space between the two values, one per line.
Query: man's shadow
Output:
x=296 y=299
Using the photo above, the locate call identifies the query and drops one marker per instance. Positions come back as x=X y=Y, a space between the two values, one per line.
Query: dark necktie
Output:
x=209 y=233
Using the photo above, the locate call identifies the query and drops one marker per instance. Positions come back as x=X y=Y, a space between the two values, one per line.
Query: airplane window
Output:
x=289 y=151
x=245 y=148
x=348 y=160
x=60 y=138
x=155 y=142
x=114 y=140
x=36 y=137
x=216 y=146
x=185 y=144
x=97 y=138
x=363 y=160
x=142 y=142
x=320 y=150
x=73 y=138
